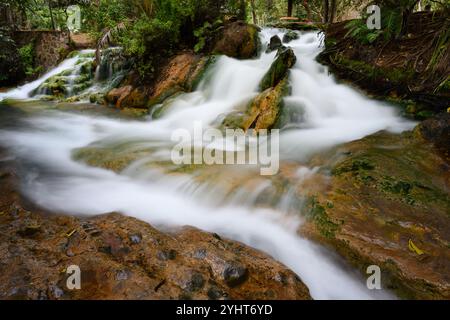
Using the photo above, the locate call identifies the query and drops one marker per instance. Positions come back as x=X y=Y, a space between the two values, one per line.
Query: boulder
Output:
x=238 y=40
x=387 y=204
x=274 y=44
x=284 y=60
x=290 y=36
x=117 y=95
x=182 y=74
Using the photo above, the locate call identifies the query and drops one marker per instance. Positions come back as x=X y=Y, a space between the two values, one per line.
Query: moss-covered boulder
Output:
x=290 y=36
x=238 y=40
x=388 y=204
x=284 y=60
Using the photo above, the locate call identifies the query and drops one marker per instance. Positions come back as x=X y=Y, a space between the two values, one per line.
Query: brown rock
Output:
x=238 y=40
x=182 y=74
x=116 y=96
x=381 y=199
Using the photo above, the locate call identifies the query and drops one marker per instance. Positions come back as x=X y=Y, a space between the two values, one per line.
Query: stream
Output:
x=231 y=200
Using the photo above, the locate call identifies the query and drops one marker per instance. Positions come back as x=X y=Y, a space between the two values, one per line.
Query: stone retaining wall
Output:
x=50 y=46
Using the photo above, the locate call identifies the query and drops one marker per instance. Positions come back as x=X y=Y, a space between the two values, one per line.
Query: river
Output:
x=233 y=201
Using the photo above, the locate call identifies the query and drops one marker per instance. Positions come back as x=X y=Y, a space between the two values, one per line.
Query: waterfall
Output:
x=25 y=91
x=332 y=113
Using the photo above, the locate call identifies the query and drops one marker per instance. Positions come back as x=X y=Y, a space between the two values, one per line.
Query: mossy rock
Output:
x=387 y=190
x=274 y=44
x=290 y=36
x=262 y=112
x=284 y=60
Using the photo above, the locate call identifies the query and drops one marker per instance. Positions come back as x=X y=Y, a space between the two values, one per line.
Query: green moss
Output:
x=318 y=214
x=354 y=166
x=279 y=69
x=394 y=75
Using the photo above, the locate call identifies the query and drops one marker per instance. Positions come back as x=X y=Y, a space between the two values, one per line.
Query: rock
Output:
x=437 y=131
x=238 y=40
x=386 y=192
x=290 y=36
x=274 y=44
x=117 y=95
x=137 y=98
x=235 y=274
x=182 y=74
x=118 y=259
x=262 y=112
x=279 y=69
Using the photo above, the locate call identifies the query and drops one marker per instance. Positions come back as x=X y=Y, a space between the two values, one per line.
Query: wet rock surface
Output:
x=388 y=204
x=124 y=258
x=262 y=112
x=279 y=69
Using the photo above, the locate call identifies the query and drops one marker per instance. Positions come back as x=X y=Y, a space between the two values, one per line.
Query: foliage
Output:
x=204 y=33
x=27 y=54
x=358 y=30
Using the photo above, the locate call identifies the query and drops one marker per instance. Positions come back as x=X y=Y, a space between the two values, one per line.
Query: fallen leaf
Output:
x=414 y=248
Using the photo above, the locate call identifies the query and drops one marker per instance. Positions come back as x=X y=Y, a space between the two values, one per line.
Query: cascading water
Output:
x=26 y=90
x=330 y=114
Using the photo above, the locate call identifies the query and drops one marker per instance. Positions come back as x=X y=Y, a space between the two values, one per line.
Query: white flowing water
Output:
x=333 y=114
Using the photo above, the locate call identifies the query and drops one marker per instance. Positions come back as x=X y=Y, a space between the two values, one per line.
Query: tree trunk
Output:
x=252 y=4
x=308 y=10
x=332 y=11
x=326 y=6
x=290 y=7
x=51 y=15
x=242 y=10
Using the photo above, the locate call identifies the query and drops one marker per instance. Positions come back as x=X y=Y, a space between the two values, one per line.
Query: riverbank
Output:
x=397 y=70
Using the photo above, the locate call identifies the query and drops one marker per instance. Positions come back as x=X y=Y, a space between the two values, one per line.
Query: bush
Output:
x=27 y=54
x=147 y=40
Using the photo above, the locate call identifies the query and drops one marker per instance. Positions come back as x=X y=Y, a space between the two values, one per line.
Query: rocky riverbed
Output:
x=124 y=258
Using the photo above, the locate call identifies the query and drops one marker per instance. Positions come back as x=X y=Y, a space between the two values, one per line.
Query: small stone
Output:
x=215 y=293
x=122 y=275
x=167 y=255
x=195 y=282
x=56 y=292
x=235 y=274
x=135 y=238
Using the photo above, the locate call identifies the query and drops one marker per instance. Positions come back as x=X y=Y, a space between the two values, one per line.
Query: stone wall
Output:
x=50 y=46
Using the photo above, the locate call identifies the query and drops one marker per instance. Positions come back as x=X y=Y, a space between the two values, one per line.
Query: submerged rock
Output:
x=118 y=258
x=279 y=69
x=238 y=40
x=388 y=204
